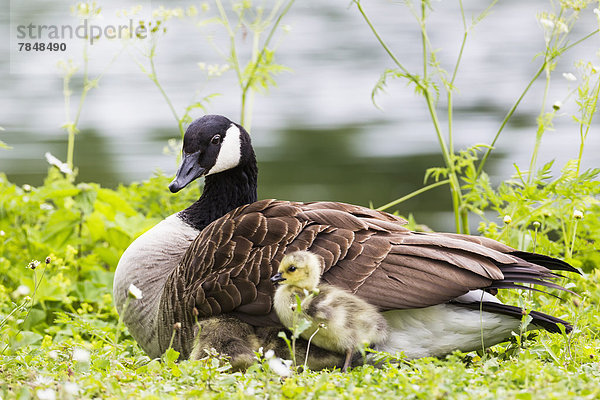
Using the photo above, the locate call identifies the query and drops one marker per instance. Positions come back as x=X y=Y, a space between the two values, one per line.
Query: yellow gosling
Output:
x=345 y=322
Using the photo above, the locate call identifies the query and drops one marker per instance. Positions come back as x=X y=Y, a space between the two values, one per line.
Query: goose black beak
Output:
x=277 y=278
x=188 y=171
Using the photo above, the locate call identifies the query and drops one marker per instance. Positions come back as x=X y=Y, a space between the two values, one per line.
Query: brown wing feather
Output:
x=227 y=268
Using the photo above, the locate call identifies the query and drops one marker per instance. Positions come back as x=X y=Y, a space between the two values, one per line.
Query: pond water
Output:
x=317 y=134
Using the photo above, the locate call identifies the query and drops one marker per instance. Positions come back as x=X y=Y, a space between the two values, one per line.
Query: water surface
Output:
x=317 y=134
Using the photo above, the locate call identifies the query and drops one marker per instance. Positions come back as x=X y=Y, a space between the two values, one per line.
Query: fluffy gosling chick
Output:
x=344 y=321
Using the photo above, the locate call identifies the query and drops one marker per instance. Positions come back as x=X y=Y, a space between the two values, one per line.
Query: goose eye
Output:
x=216 y=139
x=291 y=269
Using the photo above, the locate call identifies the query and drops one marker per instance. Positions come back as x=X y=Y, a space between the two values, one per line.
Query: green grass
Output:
x=128 y=373
x=60 y=335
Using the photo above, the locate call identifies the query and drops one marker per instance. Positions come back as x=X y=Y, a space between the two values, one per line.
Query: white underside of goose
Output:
x=443 y=328
x=146 y=264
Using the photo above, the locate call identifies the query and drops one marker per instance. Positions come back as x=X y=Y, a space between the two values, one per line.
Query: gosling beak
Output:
x=188 y=171
x=277 y=278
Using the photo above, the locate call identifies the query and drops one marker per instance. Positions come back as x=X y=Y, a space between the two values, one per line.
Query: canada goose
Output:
x=341 y=321
x=218 y=254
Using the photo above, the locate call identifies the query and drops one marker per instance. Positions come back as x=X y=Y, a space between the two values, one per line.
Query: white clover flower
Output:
x=42 y=380
x=507 y=219
x=22 y=290
x=569 y=76
x=577 y=214
x=168 y=388
x=135 y=292
x=2 y=233
x=71 y=388
x=46 y=394
x=53 y=354
x=277 y=365
x=557 y=105
x=62 y=167
x=26 y=187
x=46 y=207
x=81 y=355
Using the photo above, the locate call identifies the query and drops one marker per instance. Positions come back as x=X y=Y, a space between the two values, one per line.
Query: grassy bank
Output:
x=61 y=337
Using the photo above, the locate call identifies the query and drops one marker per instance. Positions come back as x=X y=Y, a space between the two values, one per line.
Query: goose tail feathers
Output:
x=551 y=263
x=539 y=319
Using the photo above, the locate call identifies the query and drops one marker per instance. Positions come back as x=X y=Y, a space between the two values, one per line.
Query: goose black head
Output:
x=211 y=144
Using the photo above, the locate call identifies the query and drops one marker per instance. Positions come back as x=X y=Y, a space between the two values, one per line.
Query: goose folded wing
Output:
x=231 y=269
x=421 y=270
x=367 y=252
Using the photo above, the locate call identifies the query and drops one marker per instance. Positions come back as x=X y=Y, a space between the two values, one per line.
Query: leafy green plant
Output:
x=253 y=75
x=258 y=72
x=85 y=11
x=434 y=81
x=83 y=229
x=145 y=43
x=299 y=325
x=547 y=214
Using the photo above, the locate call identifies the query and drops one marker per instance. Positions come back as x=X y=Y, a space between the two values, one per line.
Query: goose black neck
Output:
x=222 y=193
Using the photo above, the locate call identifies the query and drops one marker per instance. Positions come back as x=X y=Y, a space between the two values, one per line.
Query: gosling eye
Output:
x=292 y=268
x=216 y=139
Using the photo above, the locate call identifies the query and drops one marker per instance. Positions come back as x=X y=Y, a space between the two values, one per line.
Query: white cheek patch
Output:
x=230 y=153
